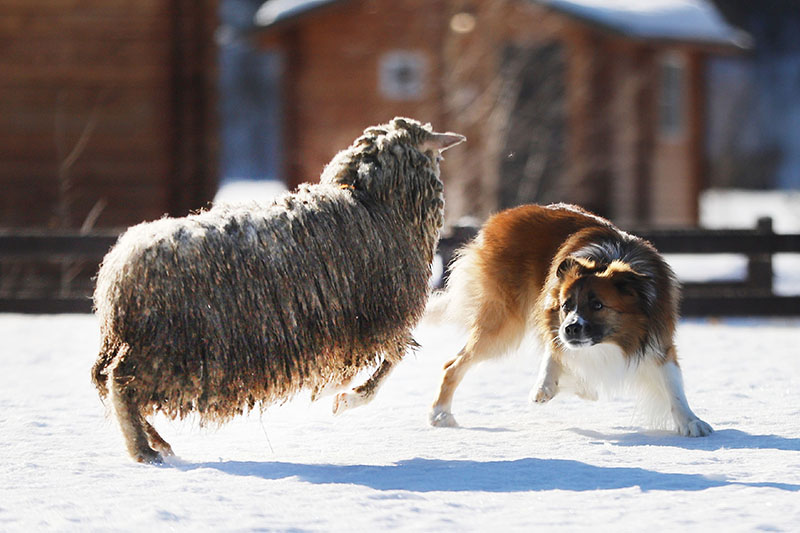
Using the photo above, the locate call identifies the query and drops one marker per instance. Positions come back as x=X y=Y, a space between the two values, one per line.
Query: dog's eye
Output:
x=596 y=305
x=567 y=305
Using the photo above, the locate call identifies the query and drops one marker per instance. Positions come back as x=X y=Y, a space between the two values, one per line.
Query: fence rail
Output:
x=752 y=296
x=51 y=272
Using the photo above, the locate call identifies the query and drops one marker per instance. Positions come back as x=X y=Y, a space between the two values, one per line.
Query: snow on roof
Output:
x=680 y=20
x=277 y=10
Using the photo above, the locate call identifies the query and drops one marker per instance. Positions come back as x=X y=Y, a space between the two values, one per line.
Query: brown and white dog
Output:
x=602 y=302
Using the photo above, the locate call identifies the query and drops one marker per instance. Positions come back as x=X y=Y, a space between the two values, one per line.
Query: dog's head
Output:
x=599 y=303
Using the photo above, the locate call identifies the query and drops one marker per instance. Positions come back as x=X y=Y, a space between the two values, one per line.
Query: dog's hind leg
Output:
x=454 y=371
x=495 y=336
x=364 y=393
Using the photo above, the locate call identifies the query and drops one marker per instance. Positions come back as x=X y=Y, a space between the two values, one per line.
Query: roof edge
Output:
x=734 y=39
x=274 y=12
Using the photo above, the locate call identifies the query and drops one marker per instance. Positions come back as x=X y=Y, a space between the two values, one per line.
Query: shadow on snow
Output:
x=521 y=475
x=730 y=439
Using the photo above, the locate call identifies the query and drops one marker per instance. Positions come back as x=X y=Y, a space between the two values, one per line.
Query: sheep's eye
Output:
x=596 y=305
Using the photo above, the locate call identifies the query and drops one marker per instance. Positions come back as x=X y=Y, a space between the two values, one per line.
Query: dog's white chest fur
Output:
x=601 y=369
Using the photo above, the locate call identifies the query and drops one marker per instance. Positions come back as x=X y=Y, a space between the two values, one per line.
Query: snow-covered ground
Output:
x=569 y=465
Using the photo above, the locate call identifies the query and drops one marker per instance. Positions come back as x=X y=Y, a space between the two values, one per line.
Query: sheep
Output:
x=235 y=307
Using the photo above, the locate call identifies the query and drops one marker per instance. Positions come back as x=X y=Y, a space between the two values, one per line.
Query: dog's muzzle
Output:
x=577 y=332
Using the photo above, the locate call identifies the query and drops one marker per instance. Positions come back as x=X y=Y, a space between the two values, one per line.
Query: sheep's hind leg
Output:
x=364 y=393
x=133 y=425
x=156 y=441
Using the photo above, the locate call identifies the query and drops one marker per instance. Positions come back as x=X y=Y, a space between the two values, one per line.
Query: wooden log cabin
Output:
x=596 y=103
x=107 y=111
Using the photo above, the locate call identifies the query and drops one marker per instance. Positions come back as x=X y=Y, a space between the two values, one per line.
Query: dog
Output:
x=603 y=303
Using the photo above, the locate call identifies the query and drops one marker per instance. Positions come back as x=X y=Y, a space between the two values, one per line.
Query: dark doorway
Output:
x=249 y=98
x=534 y=150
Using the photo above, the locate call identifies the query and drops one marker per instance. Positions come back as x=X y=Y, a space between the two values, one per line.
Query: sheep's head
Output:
x=397 y=164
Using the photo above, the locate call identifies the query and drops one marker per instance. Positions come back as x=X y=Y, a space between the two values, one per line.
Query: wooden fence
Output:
x=46 y=272
x=752 y=296
x=50 y=272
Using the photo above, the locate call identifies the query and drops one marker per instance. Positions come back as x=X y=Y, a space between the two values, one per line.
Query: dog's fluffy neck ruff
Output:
x=604 y=370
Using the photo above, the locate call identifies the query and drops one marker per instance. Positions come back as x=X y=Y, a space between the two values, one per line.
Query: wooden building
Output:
x=106 y=111
x=560 y=100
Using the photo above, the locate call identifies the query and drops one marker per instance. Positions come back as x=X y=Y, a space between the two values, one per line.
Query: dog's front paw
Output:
x=542 y=394
x=695 y=428
x=442 y=419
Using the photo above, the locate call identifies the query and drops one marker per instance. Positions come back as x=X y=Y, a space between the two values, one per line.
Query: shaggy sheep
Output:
x=241 y=306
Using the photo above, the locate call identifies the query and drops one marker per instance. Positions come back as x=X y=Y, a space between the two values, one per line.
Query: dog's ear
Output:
x=627 y=280
x=565 y=266
x=581 y=265
x=643 y=287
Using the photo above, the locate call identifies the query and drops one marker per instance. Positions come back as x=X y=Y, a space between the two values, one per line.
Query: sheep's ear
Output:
x=442 y=141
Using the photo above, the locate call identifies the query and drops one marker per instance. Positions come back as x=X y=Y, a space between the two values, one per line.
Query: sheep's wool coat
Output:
x=238 y=306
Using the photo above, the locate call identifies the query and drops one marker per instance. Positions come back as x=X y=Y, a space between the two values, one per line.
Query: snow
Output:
x=238 y=191
x=570 y=465
x=682 y=20
x=737 y=208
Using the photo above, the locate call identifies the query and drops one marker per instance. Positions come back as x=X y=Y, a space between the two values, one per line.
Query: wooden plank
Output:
x=102 y=27
x=765 y=306
x=26 y=75
x=54 y=50
x=50 y=245
x=74 y=304
x=118 y=147
x=721 y=241
x=36 y=7
x=694 y=241
x=725 y=305
x=98 y=171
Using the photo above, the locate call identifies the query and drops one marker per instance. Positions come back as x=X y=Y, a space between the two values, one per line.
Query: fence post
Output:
x=759 y=266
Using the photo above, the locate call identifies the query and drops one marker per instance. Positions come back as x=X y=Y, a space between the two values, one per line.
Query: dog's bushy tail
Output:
x=436 y=310
x=459 y=301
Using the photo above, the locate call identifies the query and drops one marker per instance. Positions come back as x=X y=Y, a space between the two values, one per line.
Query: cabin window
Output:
x=672 y=98
x=402 y=75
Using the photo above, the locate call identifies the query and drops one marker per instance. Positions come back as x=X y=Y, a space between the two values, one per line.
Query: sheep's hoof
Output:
x=166 y=450
x=342 y=402
x=149 y=456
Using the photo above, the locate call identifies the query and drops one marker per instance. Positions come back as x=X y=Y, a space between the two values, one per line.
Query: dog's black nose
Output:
x=574 y=330
x=577 y=329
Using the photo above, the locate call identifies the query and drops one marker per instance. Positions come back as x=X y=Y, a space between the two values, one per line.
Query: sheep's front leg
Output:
x=364 y=393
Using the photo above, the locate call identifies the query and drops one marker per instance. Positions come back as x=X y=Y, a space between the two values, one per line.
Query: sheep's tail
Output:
x=108 y=353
